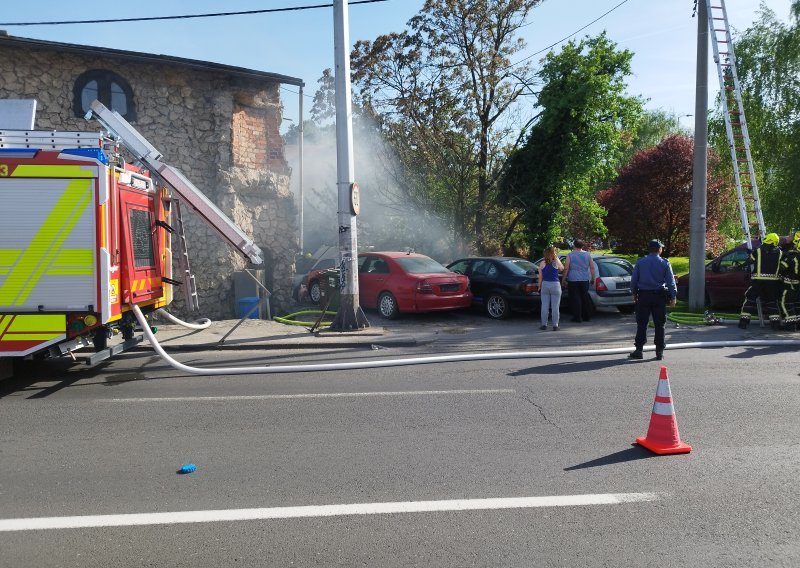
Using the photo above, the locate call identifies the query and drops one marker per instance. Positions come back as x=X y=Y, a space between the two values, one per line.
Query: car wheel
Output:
x=387 y=306
x=497 y=307
x=314 y=292
x=626 y=309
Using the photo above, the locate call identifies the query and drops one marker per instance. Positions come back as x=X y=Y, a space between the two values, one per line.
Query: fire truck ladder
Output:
x=187 y=278
x=191 y=195
x=735 y=124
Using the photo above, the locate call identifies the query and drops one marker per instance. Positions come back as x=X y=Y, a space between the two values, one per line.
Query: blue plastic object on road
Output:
x=187 y=468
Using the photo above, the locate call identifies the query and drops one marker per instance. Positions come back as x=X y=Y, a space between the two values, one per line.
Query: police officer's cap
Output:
x=655 y=244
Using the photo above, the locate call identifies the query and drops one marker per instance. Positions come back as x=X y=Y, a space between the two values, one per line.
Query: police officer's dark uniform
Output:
x=790 y=274
x=765 y=282
x=653 y=285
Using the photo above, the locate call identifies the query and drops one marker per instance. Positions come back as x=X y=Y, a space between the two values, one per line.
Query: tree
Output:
x=653 y=127
x=439 y=92
x=576 y=142
x=651 y=198
x=768 y=65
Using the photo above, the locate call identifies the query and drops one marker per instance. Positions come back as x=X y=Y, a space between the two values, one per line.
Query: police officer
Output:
x=790 y=274
x=765 y=282
x=653 y=285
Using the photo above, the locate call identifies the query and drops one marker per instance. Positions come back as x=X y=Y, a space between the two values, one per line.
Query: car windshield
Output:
x=615 y=267
x=519 y=266
x=420 y=265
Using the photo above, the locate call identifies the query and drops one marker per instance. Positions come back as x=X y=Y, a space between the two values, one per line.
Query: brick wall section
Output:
x=190 y=115
x=249 y=141
x=256 y=141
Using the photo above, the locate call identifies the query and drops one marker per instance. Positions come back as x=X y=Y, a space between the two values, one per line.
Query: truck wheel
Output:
x=387 y=306
x=314 y=292
x=497 y=306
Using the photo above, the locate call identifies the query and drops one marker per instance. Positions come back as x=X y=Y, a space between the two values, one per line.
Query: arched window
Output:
x=107 y=87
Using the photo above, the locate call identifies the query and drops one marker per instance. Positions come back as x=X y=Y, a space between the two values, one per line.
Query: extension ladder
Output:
x=736 y=127
x=187 y=278
x=735 y=123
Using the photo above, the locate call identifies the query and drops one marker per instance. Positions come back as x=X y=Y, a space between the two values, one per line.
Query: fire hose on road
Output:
x=436 y=358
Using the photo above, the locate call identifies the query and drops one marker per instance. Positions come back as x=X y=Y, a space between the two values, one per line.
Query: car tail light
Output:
x=600 y=286
x=424 y=287
x=529 y=288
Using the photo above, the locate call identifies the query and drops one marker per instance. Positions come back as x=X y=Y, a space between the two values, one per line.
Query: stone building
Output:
x=216 y=123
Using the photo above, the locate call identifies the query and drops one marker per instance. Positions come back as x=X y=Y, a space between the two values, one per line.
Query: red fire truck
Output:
x=84 y=236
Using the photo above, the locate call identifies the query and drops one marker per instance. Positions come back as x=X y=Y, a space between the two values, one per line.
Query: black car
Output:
x=501 y=284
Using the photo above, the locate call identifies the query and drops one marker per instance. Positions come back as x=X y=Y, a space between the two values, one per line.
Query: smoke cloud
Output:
x=388 y=221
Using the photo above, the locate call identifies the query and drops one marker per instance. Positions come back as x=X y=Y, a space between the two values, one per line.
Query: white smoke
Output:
x=387 y=220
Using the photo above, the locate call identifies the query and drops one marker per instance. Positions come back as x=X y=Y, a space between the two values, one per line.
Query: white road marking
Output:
x=138 y=519
x=308 y=395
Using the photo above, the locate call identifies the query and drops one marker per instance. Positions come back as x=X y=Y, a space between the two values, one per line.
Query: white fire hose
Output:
x=199 y=324
x=437 y=358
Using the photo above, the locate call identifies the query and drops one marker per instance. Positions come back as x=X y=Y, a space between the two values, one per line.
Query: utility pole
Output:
x=697 y=219
x=300 y=149
x=350 y=315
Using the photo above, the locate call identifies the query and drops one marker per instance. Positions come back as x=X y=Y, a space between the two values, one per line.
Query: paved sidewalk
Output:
x=446 y=332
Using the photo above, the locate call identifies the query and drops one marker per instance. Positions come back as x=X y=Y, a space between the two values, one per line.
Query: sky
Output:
x=299 y=43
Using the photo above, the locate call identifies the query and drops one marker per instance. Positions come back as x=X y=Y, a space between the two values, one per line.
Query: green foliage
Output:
x=652 y=195
x=576 y=144
x=768 y=65
x=653 y=127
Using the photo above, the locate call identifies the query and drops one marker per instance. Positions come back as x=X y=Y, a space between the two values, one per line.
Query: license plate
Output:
x=623 y=285
x=450 y=287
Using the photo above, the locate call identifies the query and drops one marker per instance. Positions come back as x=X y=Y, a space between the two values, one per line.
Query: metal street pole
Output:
x=697 y=219
x=300 y=173
x=350 y=315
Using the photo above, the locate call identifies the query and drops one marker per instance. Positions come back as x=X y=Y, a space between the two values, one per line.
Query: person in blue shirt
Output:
x=653 y=286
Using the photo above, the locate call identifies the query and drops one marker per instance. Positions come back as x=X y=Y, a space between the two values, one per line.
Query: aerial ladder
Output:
x=750 y=213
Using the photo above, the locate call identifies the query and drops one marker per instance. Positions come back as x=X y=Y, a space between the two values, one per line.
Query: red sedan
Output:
x=395 y=282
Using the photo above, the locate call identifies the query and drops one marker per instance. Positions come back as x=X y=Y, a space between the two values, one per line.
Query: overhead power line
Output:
x=565 y=38
x=185 y=16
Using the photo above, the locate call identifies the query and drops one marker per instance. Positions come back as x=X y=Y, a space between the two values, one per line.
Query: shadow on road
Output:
x=573 y=367
x=635 y=452
x=750 y=352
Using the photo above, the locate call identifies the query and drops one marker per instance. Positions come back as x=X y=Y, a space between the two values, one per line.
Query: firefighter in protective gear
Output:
x=765 y=282
x=790 y=272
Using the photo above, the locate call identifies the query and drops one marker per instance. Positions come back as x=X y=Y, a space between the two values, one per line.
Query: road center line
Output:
x=137 y=519
x=308 y=395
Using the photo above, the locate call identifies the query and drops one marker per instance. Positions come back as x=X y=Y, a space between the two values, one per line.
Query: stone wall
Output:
x=193 y=116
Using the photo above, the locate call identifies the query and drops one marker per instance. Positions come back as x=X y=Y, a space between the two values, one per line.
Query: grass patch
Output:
x=680 y=264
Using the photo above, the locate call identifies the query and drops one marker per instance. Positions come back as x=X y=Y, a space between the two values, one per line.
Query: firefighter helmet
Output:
x=772 y=239
x=796 y=240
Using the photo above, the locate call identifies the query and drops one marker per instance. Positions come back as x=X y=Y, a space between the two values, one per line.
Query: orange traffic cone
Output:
x=662 y=435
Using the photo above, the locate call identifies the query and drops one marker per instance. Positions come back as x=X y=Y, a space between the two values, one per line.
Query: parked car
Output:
x=612 y=284
x=309 y=285
x=500 y=284
x=403 y=282
x=727 y=276
x=727 y=279
x=305 y=284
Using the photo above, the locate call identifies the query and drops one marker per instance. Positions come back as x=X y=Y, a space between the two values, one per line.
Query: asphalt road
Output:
x=439 y=438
